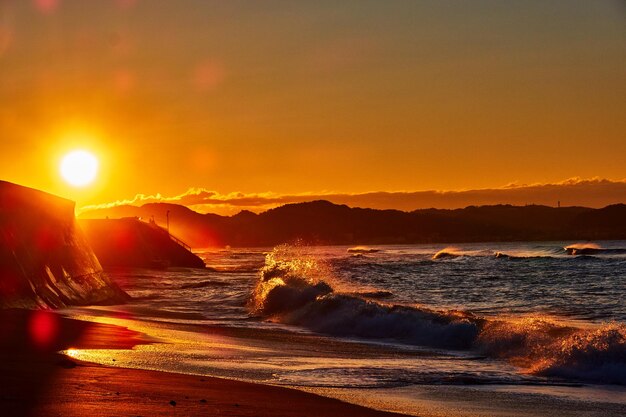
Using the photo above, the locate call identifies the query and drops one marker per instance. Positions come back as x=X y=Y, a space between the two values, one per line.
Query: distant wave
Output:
x=448 y=253
x=452 y=253
x=503 y=255
x=363 y=249
x=551 y=252
x=592 y=249
x=296 y=290
x=585 y=245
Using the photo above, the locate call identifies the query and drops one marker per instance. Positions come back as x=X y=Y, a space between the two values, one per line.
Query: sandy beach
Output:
x=36 y=380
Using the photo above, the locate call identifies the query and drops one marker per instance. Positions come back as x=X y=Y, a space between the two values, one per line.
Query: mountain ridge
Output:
x=323 y=222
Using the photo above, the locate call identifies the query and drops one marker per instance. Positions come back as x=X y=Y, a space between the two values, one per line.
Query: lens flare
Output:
x=43 y=329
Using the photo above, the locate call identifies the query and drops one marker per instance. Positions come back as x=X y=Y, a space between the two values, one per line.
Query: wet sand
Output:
x=37 y=381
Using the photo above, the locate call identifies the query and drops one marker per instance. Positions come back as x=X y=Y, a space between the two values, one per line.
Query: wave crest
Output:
x=582 y=249
x=545 y=348
x=598 y=355
x=449 y=252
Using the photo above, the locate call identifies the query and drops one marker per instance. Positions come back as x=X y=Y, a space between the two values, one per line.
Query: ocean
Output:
x=524 y=328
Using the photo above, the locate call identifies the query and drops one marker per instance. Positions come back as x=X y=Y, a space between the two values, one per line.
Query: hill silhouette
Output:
x=322 y=222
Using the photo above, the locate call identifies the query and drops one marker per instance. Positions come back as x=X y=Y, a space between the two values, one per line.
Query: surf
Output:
x=301 y=290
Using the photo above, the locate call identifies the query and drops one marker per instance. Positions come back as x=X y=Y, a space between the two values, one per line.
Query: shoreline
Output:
x=37 y=380
x=425 y=400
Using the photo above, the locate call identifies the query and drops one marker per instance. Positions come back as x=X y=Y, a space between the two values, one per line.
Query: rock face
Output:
x=130 y=242
x=45 y=259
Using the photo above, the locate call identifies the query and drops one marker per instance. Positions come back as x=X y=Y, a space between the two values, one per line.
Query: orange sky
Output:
x=284 y=97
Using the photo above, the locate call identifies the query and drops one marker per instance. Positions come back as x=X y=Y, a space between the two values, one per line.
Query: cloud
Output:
x=593 y=192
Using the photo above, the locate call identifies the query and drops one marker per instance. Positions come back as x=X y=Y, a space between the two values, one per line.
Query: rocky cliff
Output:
x=45 y=259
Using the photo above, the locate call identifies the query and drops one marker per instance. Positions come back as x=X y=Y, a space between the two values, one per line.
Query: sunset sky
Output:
x=343 y=97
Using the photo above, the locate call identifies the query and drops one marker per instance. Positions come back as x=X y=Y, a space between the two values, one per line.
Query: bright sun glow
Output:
x=79 y=168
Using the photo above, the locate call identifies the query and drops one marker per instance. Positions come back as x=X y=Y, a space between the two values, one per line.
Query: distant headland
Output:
x=322 y=222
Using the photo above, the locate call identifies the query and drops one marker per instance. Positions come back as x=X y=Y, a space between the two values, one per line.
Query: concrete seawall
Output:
x=45 y=259
x=130 y=242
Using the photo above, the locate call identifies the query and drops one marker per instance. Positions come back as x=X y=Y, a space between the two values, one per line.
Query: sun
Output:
x=79 y=168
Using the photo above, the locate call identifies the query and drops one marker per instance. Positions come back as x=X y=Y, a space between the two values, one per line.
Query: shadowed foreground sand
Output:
x=39 y=382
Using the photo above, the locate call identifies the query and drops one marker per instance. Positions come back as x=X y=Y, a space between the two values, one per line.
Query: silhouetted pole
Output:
x=167 y=215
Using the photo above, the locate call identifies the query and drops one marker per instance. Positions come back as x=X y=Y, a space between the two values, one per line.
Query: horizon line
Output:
x=573 y=192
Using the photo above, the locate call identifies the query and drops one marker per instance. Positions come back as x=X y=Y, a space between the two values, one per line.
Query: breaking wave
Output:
x=299 y=290
x=527 y=256
x=296 y=290
x=588 y=249
x=448 y=253
x=543 y=347
x=453 y=253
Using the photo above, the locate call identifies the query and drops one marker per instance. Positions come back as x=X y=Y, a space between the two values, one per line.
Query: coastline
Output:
x=37 y=380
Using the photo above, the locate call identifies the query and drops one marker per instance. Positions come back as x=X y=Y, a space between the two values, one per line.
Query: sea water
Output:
x=404 y=328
